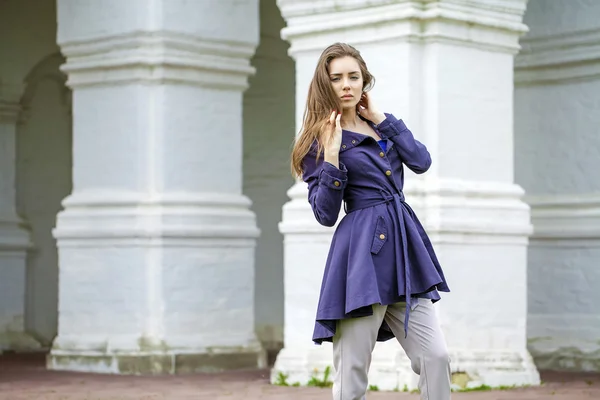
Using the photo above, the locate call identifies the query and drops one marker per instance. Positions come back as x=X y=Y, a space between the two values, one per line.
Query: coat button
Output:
x=354 y=142
x=382 y=236
x=381 y=154
x=388 y=172
x=336 y=183
x=343 y=146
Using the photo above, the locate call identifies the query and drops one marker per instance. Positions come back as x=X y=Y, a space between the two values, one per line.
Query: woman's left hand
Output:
x=368 y=110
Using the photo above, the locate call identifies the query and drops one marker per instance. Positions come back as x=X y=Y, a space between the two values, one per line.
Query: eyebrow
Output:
x=353 y=72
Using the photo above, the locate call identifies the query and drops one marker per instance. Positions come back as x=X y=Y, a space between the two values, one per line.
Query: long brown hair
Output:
x=321 y=101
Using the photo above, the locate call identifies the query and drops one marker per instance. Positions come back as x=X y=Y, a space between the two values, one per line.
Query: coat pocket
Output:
x=380 y=236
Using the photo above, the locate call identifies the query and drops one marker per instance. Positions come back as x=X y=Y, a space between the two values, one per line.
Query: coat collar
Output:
x=350 y=139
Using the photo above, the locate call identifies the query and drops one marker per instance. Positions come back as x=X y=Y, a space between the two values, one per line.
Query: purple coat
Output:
x=380 y=253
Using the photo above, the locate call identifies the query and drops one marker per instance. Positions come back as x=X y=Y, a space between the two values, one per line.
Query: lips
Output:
x=348 y=96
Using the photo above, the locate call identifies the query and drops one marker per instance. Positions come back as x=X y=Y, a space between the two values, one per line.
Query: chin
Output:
x=349 y=106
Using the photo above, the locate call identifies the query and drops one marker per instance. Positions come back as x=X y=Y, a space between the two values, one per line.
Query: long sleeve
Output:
x=326 y=185
x=414 y=154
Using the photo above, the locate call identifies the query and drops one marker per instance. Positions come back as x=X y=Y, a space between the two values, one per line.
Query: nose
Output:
x=346 y=83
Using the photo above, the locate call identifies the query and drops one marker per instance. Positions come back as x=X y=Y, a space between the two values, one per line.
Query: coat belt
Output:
x=380 y=197
x=401 y=242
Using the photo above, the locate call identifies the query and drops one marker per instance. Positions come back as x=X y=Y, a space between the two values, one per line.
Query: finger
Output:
x=332 y=117
x=337 y=121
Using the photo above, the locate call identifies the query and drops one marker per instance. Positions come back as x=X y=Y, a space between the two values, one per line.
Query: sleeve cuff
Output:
x=391 y=126
x=333 y=177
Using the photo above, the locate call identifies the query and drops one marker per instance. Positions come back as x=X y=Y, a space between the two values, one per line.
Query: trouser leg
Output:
x=353 y=345
x=425 y=346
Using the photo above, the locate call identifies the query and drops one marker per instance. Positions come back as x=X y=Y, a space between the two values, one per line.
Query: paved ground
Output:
x=26 y=378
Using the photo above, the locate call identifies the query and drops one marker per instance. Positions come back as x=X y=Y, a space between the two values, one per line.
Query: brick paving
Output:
x=25 y=378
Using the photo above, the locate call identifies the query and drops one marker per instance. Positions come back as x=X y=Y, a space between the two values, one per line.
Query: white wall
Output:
x=557 y=139
x=268 y=134
x=28 y=52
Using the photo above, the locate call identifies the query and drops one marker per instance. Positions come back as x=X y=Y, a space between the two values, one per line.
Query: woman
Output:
x=381 y=275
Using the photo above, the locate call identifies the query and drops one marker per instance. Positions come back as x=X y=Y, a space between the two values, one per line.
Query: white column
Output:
x=156 y=242
x=446 y=68
x=14 y=238
x=557 y=127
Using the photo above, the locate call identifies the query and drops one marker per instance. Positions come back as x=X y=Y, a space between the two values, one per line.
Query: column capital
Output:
x=465 y=212
x=9 y=112
x=10 y=95
x=312 y=25
x=566 y=220
x=194 y=43
x=160 y=57
x=558 y=58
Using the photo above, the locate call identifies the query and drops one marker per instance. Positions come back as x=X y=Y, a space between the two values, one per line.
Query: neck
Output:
x=349 y=118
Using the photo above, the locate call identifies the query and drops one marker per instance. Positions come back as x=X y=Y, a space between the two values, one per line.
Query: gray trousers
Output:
x=424 y=345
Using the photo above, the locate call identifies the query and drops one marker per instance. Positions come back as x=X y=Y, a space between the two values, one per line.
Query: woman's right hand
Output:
x=332 y=137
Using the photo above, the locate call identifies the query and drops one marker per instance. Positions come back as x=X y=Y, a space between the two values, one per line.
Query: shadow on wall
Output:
x=269 y=128
x=43 y=180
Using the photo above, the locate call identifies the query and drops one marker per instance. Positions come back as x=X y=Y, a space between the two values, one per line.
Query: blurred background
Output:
x=149 y=222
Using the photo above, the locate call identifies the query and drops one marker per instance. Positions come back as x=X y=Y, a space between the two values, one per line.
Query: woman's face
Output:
x=346 y=80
